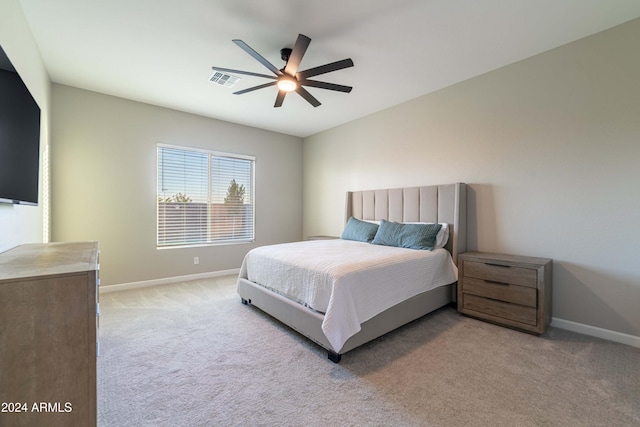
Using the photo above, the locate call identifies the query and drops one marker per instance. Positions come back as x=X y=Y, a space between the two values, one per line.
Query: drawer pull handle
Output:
x=496 y=283
x=501 y=301
x=497 y=265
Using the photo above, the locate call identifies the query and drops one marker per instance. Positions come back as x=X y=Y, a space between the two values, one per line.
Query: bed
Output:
x=332 y=313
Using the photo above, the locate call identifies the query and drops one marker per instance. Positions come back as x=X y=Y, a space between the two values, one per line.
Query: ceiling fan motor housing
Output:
x=285 y=53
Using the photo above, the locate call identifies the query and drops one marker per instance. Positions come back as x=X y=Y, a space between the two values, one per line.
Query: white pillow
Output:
x=441 y=238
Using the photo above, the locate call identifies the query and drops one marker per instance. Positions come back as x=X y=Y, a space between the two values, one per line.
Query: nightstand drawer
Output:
x=501 y=273
x=501 y=291
x=500 y=309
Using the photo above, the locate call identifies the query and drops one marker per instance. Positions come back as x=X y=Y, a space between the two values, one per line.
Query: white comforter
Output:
x=349 y=281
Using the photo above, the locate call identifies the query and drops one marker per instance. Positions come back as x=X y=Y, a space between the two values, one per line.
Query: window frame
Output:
x=210 y=154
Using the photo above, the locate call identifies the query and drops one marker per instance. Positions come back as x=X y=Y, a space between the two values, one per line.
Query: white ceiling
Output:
x=161 y=51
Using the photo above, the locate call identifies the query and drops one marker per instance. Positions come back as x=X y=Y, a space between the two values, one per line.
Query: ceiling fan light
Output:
x=287 y=84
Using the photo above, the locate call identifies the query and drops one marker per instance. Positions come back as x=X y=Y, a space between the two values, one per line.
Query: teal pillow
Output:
x=412 y=236
x=358 y=230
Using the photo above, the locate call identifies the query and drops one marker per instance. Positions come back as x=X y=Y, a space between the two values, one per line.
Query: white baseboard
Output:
x=166 y=281
x=593 y=331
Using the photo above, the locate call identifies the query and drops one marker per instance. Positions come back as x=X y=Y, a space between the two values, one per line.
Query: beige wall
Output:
x=550 y=148
x=104 y=182
x=24 y=224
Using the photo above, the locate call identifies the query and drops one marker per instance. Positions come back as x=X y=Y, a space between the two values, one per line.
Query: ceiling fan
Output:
x=289 y=79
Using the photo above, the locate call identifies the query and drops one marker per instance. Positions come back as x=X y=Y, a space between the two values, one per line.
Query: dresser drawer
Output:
x=501 y=273
x=515 y=294
x=504 y=310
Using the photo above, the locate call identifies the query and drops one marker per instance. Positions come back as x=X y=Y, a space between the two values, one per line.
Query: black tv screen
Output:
x=19 y=138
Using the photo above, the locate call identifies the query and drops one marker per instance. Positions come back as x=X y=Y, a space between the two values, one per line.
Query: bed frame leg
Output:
x=244 y=301
x=334 y=357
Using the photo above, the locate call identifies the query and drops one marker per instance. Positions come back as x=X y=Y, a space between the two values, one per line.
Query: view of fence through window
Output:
x=203 y=197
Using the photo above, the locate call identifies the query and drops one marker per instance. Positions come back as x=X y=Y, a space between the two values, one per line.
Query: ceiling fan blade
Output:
x=248 y=73
x=325 y=85
x=258 y=57
x=280 y=98
x=251 y=89
x=299 y=49
x=327 y=68
x=306 y=95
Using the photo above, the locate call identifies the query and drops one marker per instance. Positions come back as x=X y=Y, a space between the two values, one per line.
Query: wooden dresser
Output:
x=509 y=290
x=48 y=335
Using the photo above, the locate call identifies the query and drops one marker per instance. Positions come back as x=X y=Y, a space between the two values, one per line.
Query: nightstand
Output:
x=508 y=290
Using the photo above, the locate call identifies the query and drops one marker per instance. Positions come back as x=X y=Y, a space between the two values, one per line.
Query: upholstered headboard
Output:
x=433 y=203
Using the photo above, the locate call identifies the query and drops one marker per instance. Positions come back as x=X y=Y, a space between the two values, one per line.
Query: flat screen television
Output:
x=19 y=138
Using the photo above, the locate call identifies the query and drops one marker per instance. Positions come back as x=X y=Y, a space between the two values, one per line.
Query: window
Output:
x=204 y=197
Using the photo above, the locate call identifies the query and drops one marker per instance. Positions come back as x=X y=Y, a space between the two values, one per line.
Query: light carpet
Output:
x=190 y=354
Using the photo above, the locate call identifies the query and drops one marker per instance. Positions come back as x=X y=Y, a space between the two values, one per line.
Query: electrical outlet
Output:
x=196 y=260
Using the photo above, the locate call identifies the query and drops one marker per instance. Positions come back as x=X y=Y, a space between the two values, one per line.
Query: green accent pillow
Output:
x=412 y=236
x=358 y=230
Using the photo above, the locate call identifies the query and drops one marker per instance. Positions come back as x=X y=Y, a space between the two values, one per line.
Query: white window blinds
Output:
x=204 y=197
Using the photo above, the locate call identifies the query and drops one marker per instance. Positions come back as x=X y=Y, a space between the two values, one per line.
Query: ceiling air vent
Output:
x=223 y=79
